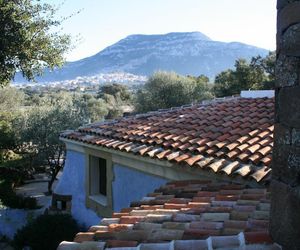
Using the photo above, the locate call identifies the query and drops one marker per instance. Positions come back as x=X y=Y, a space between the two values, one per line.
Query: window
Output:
x=98 y=179
x=102 y=176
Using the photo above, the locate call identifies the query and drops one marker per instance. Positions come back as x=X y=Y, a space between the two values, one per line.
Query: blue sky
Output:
x=104 y=22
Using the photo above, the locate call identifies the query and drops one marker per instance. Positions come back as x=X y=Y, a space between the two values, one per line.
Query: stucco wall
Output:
x=72 y=182
x=132 y=185
x=128 y=185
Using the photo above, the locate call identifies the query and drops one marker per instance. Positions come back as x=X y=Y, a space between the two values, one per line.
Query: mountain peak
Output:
x=194 y=34
x=174 y=35
x=187 y=53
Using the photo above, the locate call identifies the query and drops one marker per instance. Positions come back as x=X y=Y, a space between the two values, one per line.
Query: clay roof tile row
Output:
x=190 y=214
x=232 y=136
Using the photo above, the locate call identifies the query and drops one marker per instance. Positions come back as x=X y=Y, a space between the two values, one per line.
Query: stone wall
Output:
x=285 y=209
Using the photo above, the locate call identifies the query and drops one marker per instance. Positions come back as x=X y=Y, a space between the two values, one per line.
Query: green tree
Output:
x=11 y=107
x=168 y=89
x=11 y=99
x=201 y=79
x=266 y=64
x=114 y=105
x=91 y=109
x=117 y=90
x=28 y=40
x=7 y=136
x=43 y=127
x=203 y=89
x=231 y=82
x=259 y=73
x=116 y=97
x=55 y=113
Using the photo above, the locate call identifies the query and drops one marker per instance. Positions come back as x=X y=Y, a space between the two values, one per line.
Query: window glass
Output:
x=102 y=177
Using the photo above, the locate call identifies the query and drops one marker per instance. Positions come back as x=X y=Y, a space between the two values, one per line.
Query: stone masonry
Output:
x=285 y=208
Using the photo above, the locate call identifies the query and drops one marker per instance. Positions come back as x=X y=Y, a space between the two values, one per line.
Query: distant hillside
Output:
x=185 y=53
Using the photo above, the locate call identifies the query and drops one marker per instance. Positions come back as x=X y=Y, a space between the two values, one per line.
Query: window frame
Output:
x=96 y=201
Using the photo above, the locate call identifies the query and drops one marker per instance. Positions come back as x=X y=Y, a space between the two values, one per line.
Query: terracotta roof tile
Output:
x=243 y=139
x=217 y=165
x=230 y=168
x=235 y=130
x=257 y=237
x=267 y=160
x=204 y=162
x=261 y=173
x=217 y=216
x=193 y=159
x=233 y=154
x=121 y=243
x=255 y=158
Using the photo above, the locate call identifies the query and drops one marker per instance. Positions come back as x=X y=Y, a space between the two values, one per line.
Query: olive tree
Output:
x=29 y=41
x=55 y=113
x=44 y=125
x=168 y=89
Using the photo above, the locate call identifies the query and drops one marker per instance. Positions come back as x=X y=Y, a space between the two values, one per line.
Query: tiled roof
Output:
x=232 y=136
x=187 y=215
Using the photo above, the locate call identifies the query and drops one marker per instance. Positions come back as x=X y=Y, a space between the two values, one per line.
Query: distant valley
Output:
x=187 y=53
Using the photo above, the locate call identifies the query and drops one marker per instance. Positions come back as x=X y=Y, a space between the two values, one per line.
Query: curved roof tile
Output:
x=233 y=135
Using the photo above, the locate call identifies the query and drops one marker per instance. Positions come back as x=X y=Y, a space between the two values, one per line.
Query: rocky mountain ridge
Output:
x=187 y=53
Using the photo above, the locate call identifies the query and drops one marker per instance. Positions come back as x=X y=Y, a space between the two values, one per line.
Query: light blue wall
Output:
x=72 y=182
x=132 y=185
x=128 y=185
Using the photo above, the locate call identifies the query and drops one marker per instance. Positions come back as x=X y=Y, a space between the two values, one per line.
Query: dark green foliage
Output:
x=10 y=199
x=28 y=42
x=258 y=74
x=91 y=109
x=13 y=173
x=201 y=79
x=15 y=170
x=116 y=90
x=116 y=96
x=168 y=89
x=7 y=136
x=267 y=65
x=46 y=232
x=10 y=102
x=44 y=125
x=30 y=126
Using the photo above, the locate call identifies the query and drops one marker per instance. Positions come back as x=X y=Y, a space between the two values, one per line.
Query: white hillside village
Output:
x=84 y=83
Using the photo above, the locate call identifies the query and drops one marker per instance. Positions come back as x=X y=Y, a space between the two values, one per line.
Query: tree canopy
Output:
x=168 y=89
x=259 y=73
x=28 y=40
x=116 y=90
x=30 y=124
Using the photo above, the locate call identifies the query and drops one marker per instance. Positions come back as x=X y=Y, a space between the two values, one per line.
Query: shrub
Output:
x=13 y=173
x=46 y=232
x=10 y=199
x=16 y=171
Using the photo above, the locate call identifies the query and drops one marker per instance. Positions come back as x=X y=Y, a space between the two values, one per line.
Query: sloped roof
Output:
x=231 y=136
x=187 y=215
